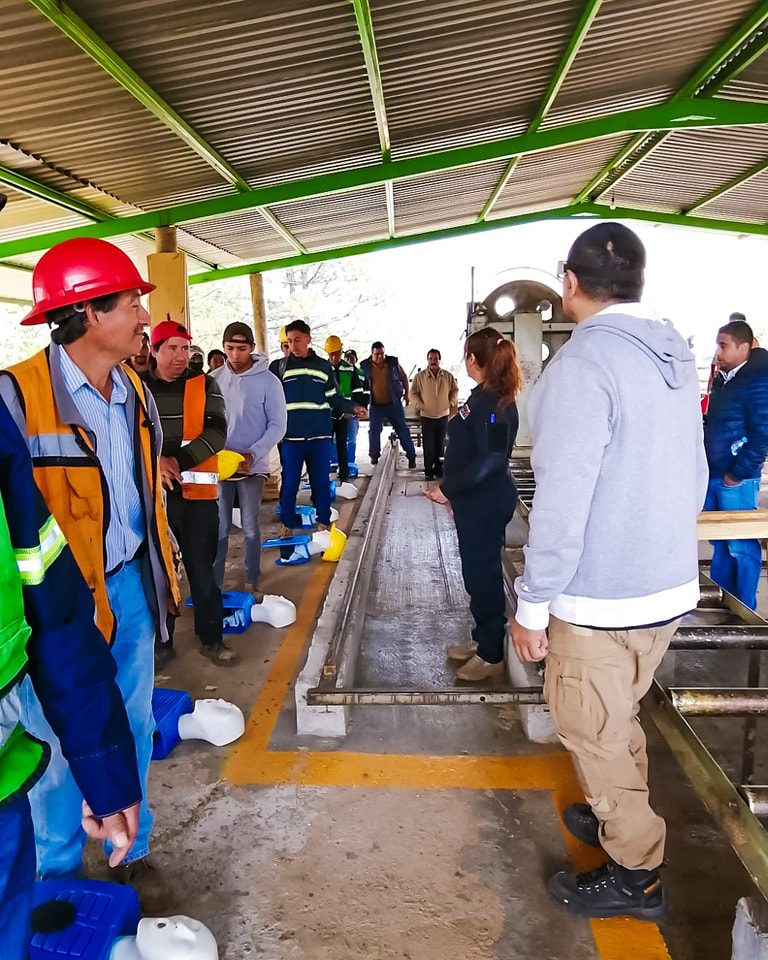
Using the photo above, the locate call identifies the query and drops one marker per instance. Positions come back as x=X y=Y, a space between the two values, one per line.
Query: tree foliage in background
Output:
x=333 y=298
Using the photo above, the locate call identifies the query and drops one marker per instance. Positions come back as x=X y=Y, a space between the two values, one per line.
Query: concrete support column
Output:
x=167 y=269
x=259 y=312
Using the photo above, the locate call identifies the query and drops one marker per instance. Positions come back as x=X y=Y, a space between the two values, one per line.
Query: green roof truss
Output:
x=735 y=54
x=578 y=36
x=373 y=69
x=670 y=116
x=78 y=31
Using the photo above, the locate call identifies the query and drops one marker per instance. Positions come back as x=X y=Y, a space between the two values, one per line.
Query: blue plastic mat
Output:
x=167 y=707
x=105 y=911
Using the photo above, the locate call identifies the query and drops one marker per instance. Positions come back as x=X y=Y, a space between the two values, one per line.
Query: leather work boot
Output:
x=582 y=823
x=611 y=891
x=155 y=895
x=462 y=651
x=284 y=532
x=219 y=653
x=477 y=669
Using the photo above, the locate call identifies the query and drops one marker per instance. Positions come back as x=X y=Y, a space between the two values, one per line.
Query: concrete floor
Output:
x=428 y=832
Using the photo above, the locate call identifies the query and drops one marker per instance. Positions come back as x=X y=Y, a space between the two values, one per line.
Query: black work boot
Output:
x=219 y=653
x=611 y=891
x=582 y=823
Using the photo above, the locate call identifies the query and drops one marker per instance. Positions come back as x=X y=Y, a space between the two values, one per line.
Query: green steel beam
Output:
x=748 y=42
x=35 y=188
x=586 y=211
x=78 y=31
x=371 y=57
x=730 y=185
x=684 y=115
x=578 y=36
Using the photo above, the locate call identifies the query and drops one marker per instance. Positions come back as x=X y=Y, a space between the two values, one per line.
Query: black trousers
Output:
x=195 y=524
x=433 y=441
x=481 y=520
x=340 y=433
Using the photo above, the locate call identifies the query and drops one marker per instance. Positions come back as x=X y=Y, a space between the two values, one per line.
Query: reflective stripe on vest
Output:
x=202 y=481
x=69 y=476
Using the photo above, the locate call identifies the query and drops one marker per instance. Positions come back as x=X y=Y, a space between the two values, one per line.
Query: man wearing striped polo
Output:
x=311 y=391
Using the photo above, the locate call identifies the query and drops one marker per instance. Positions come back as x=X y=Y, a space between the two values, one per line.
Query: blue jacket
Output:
x=738 y=409
x=395 y=383
x=70 y=665
x=311 y=391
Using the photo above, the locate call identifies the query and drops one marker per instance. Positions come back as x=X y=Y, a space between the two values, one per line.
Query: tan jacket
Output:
x=434 y=396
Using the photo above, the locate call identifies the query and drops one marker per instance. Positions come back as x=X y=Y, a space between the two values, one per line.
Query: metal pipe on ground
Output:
x=721 y=637
x=720 y=701
x=757 y=799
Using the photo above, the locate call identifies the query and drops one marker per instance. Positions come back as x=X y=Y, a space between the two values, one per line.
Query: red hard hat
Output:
x=167 y=329
x=78 y=270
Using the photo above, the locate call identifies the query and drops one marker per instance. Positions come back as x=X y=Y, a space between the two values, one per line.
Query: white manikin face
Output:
x=216 y=721
x=175 y=938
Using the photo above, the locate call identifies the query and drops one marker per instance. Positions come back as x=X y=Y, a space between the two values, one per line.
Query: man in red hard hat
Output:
x=93 y=433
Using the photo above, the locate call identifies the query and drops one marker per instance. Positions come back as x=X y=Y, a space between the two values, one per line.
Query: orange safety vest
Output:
x=202 y=481
x=72 y=483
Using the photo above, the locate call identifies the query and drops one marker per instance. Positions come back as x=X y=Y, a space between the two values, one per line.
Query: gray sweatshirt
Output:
x=621 y=475
x=256 y=415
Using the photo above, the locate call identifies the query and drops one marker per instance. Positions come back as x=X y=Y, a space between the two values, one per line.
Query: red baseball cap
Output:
x=167 y=329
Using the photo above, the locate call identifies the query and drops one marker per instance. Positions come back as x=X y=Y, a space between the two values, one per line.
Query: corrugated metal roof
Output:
x=279 y=88
x=688 y=165
x=638 y=54
x=444 y=199
x=553 y=178
x=455 y=71
x=274 y=86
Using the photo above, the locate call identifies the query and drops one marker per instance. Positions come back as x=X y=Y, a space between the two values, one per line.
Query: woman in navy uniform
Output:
x=477 y=483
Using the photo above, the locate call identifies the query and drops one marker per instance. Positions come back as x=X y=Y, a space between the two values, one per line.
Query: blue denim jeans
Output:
x=56 y=800
x=317 y=456
x=249 y=494
x=395 y=413
x=736 y=564
x=352 y=429
x=17 y=878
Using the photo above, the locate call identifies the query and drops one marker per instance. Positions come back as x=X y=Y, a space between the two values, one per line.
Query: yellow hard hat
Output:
x=228 y=462
x=337 y=544
x=283 y=335
x=332 y=344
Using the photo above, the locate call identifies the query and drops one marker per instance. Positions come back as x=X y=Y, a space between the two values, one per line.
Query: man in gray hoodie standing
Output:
x=611 y=563
x=256 y=420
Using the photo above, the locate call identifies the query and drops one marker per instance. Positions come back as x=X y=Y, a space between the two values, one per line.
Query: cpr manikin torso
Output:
x=167 y=938
x=216 y=721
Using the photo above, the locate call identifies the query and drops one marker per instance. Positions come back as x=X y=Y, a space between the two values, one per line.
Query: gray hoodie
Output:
x=621 y=475
x=256 y=415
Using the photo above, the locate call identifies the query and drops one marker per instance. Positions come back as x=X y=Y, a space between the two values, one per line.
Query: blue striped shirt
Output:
x=108 y=421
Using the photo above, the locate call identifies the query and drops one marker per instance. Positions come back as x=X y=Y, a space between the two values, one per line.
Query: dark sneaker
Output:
x=611 y=891
x=164 y=653
x=429 y=476
x=582 y=823
x=412 y=463
x=219 y=653
x=155 y=895
x=374 y=460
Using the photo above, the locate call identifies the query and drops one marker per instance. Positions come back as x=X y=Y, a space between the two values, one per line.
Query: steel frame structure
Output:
x=691 y=107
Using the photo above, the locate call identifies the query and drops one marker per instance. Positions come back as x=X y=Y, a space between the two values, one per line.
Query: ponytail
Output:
x=497 y=358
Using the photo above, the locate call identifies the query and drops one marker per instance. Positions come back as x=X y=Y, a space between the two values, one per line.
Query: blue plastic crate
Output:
x=105 y=911
x=167 y=707
x=353 y=471
x=239 y=603
x=293 y=550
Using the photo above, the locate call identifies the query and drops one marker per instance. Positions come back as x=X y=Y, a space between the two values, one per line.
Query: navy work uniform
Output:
x=477 y=481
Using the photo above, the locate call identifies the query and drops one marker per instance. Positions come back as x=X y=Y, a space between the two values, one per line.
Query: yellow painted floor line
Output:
x=252 y=762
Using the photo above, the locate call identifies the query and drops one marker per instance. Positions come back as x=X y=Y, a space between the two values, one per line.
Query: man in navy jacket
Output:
x=736 y=441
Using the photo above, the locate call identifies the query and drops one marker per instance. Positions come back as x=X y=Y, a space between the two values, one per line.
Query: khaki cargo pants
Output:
x=593 y=684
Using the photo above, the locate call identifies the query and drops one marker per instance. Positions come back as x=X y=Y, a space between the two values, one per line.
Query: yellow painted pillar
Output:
x=167 y=269
x=259 y=312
